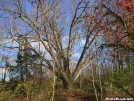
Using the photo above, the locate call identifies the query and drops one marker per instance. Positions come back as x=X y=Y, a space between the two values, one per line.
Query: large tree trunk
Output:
x=67 y=84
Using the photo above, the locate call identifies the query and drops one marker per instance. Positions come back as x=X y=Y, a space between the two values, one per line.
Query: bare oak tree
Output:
x=59 y=29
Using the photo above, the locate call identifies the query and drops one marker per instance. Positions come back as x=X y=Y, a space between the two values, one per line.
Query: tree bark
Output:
x=67 y=84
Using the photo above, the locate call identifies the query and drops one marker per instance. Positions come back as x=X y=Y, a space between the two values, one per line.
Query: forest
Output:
x=66 y=50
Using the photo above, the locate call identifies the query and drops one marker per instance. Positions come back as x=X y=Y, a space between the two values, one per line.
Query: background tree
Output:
x=117 y=32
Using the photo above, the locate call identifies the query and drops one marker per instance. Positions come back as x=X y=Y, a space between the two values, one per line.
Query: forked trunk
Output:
x=67 y=84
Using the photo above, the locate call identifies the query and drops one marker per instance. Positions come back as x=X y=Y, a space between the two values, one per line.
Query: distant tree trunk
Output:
x=80 y=81
x=20 y=61
x=4 y=77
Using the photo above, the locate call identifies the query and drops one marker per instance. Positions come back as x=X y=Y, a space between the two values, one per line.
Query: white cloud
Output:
x=2 y=70
x=82 y=42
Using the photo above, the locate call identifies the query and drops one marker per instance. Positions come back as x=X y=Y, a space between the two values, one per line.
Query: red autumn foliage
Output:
x=113 y=31
x=127 y=6
x=125 y=9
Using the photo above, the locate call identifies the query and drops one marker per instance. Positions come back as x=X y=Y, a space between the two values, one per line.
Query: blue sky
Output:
x=78 y=46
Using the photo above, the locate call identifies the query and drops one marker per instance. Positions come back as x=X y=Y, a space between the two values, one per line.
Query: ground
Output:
x=75 y=95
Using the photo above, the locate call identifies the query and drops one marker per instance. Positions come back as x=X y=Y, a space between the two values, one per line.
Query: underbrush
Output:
x=120 y=83
x=115 y=85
